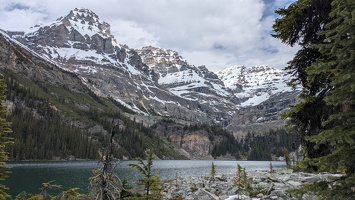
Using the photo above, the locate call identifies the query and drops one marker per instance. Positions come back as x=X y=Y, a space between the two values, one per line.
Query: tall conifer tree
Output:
x=300 y=24
x=325 y=67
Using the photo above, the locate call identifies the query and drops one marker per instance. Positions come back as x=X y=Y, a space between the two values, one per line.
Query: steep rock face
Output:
x=196 y=144
x=12 y=57
x=80 y=42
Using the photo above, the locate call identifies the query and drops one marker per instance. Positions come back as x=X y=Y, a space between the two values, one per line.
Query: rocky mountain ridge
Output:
x=187 y=81
x=151 y=81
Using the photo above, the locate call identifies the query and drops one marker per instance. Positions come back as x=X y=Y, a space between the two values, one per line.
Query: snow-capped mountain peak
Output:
x=79 y=21
x=255 y=84
x=86 y=22
x=83 y=39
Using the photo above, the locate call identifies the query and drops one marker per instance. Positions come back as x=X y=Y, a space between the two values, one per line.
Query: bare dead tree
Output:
x=105 y=182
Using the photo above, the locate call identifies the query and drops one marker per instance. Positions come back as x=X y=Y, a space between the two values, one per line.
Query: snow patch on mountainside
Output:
x=186 y=76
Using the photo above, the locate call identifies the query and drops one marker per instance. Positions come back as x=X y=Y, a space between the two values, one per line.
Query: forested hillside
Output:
x=41 y=132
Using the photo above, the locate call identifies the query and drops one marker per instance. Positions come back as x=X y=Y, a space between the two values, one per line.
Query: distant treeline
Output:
x=256 y=147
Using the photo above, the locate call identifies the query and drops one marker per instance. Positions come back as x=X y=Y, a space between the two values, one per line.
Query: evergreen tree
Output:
x=4 y=140
x=338 y=46
x=325 y=118
x=300 y=24
x=157 y=187
x=149 y=181
x=287 y=157
x=213 y=170
x=242 y=180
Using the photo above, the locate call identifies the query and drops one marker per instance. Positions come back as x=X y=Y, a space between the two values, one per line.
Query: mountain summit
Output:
x=80 y=36
x=86 y=22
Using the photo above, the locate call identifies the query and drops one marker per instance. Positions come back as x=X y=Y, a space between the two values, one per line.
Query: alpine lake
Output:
x=28 y=176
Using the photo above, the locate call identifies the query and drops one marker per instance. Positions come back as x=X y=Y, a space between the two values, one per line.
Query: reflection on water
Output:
x=28 y=176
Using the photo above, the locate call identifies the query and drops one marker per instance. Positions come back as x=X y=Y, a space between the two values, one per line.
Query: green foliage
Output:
x=47 y=138
x=23 y=196
x=152 y=183
x=242 y=180
x=301 y=20
x=5 y=140
x=325 y=116
x=338 y=65
x=48 y=186
x=213 y=170
x=70 y=194
x=37 y=197
x=260 y=149
x=335 y=188
x=244 y=183
x=125 y=190
x=157 y=187
x=287 y=157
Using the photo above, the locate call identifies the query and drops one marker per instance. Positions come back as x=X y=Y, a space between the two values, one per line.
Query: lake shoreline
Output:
x=29 y=175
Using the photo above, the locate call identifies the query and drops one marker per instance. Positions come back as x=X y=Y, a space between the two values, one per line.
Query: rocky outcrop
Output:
x=266 y=186
x=264 y=116
x=196 y=144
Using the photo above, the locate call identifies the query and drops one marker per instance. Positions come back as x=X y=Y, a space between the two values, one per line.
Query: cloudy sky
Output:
x=215 y=33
